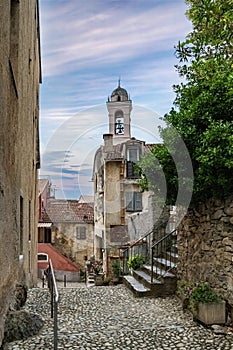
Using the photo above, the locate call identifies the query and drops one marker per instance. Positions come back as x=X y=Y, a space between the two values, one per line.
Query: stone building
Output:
x=66 y=224
x=72 y=228
x=44 y=221
x=116 y=182
x=20 y=73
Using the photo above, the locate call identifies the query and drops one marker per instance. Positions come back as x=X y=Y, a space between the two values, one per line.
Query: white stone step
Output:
x=160 y=272
x=165 y=262
x=137 y=286
x=146 y=277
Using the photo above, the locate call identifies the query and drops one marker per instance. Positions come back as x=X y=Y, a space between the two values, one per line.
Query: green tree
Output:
x=203 y=107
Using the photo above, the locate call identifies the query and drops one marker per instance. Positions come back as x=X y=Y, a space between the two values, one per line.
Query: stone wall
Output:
x=19 y=146
x=205 y=244
x=64 y=237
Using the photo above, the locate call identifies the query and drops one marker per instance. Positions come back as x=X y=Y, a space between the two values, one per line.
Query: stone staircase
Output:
x=157 y=281
x=90 y=279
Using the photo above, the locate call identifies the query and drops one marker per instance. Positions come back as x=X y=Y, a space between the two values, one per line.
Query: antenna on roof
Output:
x=119 y=82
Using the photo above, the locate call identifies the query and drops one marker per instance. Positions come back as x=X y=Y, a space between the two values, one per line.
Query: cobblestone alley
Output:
x=112 y=318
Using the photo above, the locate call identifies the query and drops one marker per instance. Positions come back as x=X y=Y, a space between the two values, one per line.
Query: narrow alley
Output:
x=111 y=317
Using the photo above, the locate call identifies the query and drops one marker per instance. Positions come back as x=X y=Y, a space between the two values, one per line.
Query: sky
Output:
x=86 y=46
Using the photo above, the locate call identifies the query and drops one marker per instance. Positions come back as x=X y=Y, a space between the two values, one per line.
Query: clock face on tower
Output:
x=119 y=126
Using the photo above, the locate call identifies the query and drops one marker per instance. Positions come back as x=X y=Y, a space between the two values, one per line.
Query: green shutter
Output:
x=129 y=201
x=137 y=201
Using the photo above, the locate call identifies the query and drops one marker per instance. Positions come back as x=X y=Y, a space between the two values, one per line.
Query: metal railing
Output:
x=141 y=246
x=162 y=251
x=154 y=245
x=52 y=285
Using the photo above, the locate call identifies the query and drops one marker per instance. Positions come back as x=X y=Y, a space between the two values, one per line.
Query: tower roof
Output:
x=119 y=94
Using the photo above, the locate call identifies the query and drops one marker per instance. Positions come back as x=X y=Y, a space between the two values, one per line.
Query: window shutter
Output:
x=82 y=232
x=77 y=233
x=130 y=169
x=137 y=201
x=129 y=201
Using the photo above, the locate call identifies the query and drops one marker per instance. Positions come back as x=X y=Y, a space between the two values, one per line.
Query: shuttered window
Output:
x=133 y=201
x=81 y=232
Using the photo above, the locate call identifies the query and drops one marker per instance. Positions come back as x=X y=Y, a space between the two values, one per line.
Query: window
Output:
x=133 y=201
x=119 y=123
x=14 y=42
x=21 y=226
x=42 y=257
x=133 y=154
x=81 y=232
x=29 y=220
x=132 y=158
x=29 y=261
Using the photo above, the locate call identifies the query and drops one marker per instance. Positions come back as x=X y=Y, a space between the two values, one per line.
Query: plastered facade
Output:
x=19 y=146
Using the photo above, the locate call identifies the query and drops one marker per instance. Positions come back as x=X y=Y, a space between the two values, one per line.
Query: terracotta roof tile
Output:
x=60 y=262
x=60 y=210
x=44 y=216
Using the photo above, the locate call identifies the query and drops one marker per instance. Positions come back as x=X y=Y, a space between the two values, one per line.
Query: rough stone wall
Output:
x=205 y=244
x=64 y=238
x=19 y=151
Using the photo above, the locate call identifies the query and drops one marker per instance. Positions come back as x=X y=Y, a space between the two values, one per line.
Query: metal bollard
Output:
x=64 y=280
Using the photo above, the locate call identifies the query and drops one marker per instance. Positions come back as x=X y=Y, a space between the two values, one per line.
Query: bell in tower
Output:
x=119 y=109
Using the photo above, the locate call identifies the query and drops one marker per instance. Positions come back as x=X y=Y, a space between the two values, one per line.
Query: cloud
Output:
x=102 y=35
x=86 y=46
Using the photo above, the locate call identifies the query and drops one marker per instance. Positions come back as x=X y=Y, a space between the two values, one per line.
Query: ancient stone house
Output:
x=72 y=229
x=20 y=74
x=117 y=194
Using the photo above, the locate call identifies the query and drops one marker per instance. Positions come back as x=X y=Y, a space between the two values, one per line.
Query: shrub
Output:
x=116 y=268
x=194 y=293
x=136 y=261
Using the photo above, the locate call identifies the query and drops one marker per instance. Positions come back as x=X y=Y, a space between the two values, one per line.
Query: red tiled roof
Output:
x=59 y=261
x=44 y=216
x=60 y=210
x=149 y=146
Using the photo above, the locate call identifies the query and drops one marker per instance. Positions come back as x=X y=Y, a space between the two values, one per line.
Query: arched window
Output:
x=42 y=257
x=119 y=123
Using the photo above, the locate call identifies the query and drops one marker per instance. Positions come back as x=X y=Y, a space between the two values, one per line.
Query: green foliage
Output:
x=203 y=107
x=185 y=289
x=203 y=293
x=136 y=261
x=194 y=293
x=106 y=281
x=212 y=30
x=116 y=268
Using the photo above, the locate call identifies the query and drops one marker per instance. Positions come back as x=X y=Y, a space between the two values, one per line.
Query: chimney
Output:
x=108 y=142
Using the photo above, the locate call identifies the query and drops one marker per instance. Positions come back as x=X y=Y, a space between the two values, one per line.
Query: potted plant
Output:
x=203 y=302
x=97 y=267
x=136 y=261
x=116 y=270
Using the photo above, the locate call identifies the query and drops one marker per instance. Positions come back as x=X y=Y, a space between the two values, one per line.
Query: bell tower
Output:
x=119 y=108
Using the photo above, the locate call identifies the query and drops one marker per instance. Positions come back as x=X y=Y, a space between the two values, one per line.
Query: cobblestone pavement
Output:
x=112 y=318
